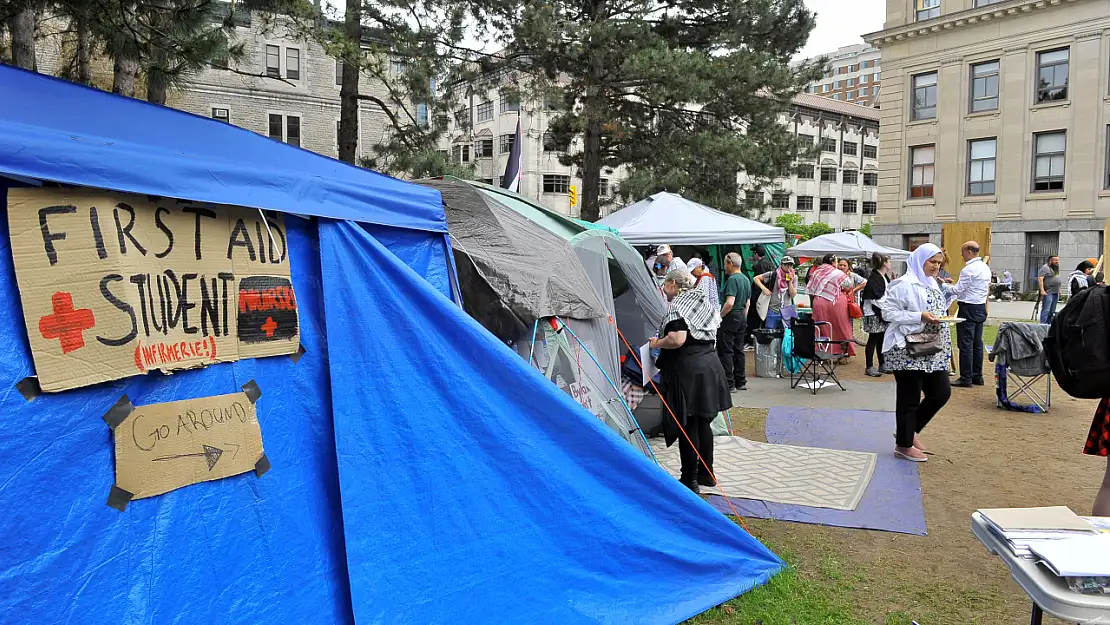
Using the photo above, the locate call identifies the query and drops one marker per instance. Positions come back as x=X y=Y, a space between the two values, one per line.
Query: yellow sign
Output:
x=573 y=195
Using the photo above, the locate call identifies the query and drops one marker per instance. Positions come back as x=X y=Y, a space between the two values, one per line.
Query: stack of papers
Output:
x=1022 y=528
x=1081 y=556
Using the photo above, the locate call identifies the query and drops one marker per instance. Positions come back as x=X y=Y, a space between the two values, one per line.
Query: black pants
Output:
x=911 y=411
x=969 y=336
x=875 y=348
x=701 y=435
x=730 y=348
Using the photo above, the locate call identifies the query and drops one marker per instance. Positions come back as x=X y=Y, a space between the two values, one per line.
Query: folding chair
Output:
x=1021 y=367
x=820 y=362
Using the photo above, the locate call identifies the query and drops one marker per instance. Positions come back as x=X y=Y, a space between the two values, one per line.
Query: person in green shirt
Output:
x=737 y=296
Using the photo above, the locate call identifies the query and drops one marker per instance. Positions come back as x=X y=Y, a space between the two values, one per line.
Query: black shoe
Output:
x=706 y=480
x=962 y=384
x=978 y=382
x=742 y=386
x=693 y=486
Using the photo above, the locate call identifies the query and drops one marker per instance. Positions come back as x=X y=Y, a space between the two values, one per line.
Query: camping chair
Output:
x=1021 y=367
x=820 y=365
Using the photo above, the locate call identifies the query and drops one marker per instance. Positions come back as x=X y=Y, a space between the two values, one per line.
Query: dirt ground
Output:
x=984 y=457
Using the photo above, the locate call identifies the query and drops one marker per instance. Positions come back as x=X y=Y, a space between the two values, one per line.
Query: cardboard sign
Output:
x=114 y=285
x=162 y=447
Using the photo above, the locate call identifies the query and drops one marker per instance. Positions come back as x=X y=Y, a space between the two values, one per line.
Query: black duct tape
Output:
x=119 y=498
x=296 y=357
x=120 y=411
x=252 y=391
x=29 y=387
x=262 y=466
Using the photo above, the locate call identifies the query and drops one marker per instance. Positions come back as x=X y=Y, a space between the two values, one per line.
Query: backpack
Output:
x=1078 y=344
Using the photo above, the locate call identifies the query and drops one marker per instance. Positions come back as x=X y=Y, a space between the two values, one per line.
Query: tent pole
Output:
x=616 y=389
x=532 y=346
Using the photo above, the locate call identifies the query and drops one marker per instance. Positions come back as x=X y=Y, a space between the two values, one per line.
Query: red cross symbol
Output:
x=66 y=324
x=269 y=327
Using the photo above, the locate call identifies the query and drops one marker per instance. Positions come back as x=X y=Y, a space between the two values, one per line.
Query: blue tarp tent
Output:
x=422 y=472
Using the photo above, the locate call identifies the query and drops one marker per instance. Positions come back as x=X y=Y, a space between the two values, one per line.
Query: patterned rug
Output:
x=804 y=476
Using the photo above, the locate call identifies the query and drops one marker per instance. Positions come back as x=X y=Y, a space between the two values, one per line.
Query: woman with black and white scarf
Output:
x=695 y=385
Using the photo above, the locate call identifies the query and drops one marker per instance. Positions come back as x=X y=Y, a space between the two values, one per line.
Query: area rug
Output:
x=788 y=474
x=892 y=502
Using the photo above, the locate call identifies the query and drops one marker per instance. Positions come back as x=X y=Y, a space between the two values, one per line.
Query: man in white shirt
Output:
x=971 y=293
x=667 y=260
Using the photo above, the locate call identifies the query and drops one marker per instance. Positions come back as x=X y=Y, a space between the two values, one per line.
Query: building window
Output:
x=805 y=140
x=461 y=153
x=549 y=142
x=505 y=144
x=510 y=104
x=837 y=84
x=870 y=151
x=870 y=208
x=863 y=79
x=851 y=82
x=1052 y=75
x=828 y=144
x=780 y=200
x=396 y=67
x=485 y=111
x=805 y=172
x=927 y=9
x=911 y=242
x=828 y=205
x=870 y=179
x=825 y=88
x=922 y=170
x=273 y=61
x=484 y=148
x=222 y=115
x=338 y=72
x=924 y=96
x=1048 y=156
x=983 y=3
x=556 y=183
x=293 y=63
x=850 y=176
x=828 y=174
x=552 y=101
x=984 y=87
x=850 y=148
x=275 y=128
x=292 y=130
x=603 y=187
x=862 y=93
x=874 y=91
x=980 y=176
x=805 y=203
x=422 y=115
x=488 y=181
x=849 y=206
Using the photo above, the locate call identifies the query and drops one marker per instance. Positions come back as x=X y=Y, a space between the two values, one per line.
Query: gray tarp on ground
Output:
x=512 y=271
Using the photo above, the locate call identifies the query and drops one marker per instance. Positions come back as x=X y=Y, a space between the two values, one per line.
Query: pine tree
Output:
x=684 y=92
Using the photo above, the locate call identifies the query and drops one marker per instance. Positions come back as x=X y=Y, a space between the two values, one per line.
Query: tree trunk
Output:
x=156 y=86
x=124 y=73
x=84 y=53
x=22 y=29
x=348 y=91
x=591 y=169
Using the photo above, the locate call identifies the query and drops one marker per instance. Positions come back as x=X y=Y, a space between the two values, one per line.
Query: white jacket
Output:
x=902 y=306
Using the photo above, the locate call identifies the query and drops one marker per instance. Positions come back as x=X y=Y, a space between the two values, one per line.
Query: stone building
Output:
x=996 y=111
x=853 y=75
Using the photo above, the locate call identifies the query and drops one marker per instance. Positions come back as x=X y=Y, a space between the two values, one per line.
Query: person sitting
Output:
x=781 y=285
x=694 y=380
x=704 y=280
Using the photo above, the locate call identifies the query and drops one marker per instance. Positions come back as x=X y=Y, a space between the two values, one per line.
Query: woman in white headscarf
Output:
x=918 y=347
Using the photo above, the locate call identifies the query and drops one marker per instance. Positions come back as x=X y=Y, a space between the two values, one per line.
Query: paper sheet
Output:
x=1085 y=556
x=647 y=363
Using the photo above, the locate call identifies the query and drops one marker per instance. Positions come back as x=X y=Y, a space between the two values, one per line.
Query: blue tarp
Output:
x=51 y=129
x=422 y=472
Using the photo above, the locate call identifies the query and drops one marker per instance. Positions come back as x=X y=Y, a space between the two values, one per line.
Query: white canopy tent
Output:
x=845 y=245
x=670 y=218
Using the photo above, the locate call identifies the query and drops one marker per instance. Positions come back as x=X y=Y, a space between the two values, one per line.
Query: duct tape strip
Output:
x=262 y=466
x=29 y=387
x=119 y=498
x=120 y=411
x=296 y=356
x=252 y=391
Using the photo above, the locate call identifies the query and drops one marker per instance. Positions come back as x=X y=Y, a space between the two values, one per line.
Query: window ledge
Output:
x=1051 y=105
x=927 y=201
x=1033 y=196
x=982 y=114
x=978 y=199
x=1105 y=193
x=923 y=122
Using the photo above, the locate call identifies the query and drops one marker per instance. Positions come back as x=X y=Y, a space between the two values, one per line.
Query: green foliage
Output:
x=685 y=93
x=416 y=165
x=794 y=223
x=866 y=229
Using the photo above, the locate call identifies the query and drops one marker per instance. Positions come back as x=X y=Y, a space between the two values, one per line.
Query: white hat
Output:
x=662 y=249
x=693 y=264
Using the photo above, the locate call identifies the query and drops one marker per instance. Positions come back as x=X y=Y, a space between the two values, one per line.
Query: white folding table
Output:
x=1049 y=592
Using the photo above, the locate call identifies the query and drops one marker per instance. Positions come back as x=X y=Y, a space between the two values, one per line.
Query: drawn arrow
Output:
x=211 y=455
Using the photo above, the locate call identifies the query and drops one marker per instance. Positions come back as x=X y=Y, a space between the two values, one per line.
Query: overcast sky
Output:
x=839 y=22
